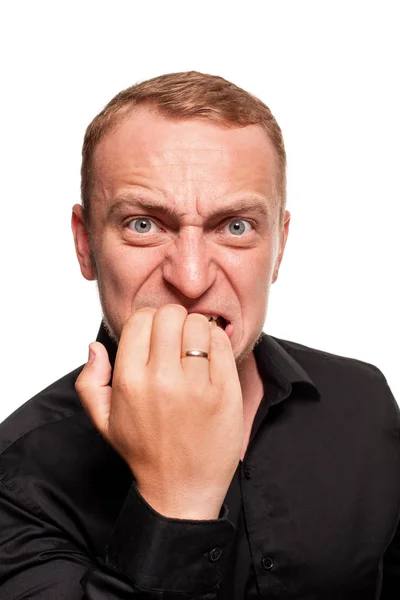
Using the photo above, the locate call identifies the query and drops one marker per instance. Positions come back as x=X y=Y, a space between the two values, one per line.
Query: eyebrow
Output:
x=251 y=204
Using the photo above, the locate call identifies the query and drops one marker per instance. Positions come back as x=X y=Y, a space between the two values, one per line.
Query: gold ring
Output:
x=196 y=353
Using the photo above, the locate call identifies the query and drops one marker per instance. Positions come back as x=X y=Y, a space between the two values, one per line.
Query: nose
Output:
x=188 y=265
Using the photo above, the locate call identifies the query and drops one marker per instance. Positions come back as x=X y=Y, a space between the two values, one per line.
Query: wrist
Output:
x=192 y=508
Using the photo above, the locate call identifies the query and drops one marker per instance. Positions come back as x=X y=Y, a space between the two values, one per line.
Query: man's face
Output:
x=184 y=212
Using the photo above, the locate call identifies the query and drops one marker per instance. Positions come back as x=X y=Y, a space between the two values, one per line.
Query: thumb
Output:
x=93 y=389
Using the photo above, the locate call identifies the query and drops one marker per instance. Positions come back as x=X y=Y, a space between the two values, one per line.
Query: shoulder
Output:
x=56 y=403
x=55 y=464
x=316 y=359
x=348 y=382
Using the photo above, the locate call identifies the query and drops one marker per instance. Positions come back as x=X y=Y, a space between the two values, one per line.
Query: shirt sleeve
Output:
x=391 y=559
x=148 y=556
x=391 y=570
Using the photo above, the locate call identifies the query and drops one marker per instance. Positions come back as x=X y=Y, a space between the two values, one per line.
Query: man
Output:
x=211 y=461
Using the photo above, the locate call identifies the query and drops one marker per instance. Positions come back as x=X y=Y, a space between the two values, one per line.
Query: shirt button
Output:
x=247 y=473
x=215 y=554
x=267 y=563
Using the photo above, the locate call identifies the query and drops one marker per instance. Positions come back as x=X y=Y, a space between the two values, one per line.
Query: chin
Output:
x=245 y=353
x=110 y=330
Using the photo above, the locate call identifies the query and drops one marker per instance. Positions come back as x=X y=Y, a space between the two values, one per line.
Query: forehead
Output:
x=151 y=150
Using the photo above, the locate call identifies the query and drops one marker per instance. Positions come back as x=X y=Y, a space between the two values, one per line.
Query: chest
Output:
x=319 y=505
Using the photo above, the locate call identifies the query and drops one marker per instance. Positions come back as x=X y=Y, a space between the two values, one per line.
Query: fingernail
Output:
x=92 y=356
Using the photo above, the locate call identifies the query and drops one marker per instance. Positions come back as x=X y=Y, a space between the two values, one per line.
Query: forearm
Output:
x=161 y=553
x=148 y=556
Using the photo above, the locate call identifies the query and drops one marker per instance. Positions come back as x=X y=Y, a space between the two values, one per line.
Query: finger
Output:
x=222 y=361
x=196 y=336
x=134 y=344
x=166 y=338
x=93 y=389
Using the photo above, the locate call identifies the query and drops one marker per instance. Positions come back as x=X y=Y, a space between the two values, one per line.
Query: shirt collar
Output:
x=272 y=359
x=274 y=362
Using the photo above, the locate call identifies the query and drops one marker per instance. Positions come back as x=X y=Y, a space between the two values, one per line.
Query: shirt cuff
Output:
x=161 y=553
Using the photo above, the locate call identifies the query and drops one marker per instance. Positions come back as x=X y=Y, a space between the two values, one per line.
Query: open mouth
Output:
x=220 y=321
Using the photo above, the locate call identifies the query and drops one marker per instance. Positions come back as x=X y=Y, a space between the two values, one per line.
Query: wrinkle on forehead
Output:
x=170 y=157
x=175 y=159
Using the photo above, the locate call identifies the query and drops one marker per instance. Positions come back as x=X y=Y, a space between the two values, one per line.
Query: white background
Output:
x=328 y=70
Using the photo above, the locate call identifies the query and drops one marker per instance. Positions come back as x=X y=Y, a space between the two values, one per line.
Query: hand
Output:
x=177 y=422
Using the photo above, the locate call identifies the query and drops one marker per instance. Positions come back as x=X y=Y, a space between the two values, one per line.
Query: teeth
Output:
x=211 y=317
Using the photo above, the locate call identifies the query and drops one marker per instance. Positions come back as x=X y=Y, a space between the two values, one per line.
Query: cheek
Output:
x=253 y=274
x=122 y=270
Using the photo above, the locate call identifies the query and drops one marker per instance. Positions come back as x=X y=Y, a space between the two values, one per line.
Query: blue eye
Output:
x=238 y=227
x=141 y=225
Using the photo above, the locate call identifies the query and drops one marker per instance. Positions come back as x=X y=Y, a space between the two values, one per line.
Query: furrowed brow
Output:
x=139 y=204
x=244 y=205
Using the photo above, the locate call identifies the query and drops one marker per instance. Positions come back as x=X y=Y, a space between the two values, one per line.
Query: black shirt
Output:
x=311 y=512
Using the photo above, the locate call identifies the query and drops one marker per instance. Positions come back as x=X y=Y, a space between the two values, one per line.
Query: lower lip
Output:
x=229 y=330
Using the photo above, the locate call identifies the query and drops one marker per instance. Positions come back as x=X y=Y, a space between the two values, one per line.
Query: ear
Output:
x=282 y=243
x=81 y=239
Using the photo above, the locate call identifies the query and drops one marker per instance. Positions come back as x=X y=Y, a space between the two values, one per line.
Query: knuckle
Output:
x=81 y=386
x=122 y=384
x=140 y=315
x=173 y=309
x=146 y=310
x=161 y=382
x=197 y=318
x=200 y=393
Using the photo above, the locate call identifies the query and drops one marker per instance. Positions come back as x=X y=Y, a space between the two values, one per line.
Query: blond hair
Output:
x=183 y=96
